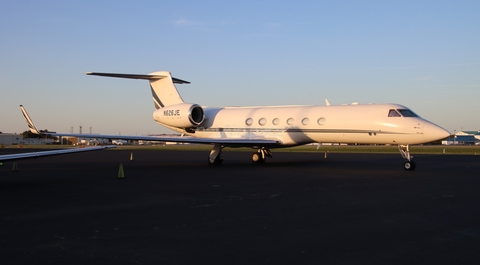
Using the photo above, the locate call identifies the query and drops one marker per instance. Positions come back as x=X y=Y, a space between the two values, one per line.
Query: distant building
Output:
x=17 y=139
x=84 y=141
x=10 y=138
x=27 y=141
x=463 y=138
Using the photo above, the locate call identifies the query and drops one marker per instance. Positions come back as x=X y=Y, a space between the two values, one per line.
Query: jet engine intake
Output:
x=183 y=115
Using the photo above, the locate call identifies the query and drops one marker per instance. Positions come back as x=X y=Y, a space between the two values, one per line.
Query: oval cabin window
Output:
x=262 y=121
x=321 y=121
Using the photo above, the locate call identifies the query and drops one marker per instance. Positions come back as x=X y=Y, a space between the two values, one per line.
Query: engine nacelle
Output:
x=183 y=115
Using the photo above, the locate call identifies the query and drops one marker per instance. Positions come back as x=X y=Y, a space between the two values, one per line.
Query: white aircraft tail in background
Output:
x=266 y=127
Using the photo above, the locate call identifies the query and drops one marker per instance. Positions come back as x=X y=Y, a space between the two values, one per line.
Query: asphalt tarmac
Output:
x=297 y=208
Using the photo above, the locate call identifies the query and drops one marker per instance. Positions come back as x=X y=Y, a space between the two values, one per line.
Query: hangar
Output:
x=10 y=138
x=17 y=139
x=463 y=138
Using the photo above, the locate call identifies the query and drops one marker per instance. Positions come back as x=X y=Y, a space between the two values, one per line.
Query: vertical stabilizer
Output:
x=164 y=91
x=32 y=127
x=162 y=85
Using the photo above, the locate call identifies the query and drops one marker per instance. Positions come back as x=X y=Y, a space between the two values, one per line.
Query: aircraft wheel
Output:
x=257 y=158
x=218 y=161
x=409 y=165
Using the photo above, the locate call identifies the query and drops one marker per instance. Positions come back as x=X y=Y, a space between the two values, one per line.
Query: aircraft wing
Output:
x=231 y=142
x=50 y=153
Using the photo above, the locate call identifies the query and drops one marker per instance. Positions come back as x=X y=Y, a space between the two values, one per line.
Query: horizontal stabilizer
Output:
x=135 y=76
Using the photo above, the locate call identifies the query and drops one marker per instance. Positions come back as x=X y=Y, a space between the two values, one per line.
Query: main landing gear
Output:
x=259 y=156
x=405 y=152
x=215 y=157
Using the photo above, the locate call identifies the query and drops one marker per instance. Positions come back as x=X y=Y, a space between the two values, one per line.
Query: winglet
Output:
x=32 y=127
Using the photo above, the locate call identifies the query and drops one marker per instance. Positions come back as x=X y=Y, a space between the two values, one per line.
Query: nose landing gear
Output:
x=409 y=164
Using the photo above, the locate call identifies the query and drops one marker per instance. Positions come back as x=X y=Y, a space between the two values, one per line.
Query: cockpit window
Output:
x=393 y=113
x=407 y=113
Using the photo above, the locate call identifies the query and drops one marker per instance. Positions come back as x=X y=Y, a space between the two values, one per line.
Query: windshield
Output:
x=401 y=113
x=393 y=113
x=407 y=113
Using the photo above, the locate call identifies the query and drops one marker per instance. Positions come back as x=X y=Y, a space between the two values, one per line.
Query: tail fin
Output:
x=162 y=85
x=32 y=127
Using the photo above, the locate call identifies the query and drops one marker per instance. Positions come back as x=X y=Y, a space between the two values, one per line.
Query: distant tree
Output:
x=29 y=134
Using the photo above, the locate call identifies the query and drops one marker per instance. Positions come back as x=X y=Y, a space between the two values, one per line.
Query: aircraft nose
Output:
x=433 y=132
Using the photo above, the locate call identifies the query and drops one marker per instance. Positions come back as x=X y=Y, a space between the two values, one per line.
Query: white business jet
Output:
x=266 y=127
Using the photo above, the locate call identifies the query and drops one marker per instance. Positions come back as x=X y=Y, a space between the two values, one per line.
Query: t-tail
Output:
x=32 y=127
x=162 y=85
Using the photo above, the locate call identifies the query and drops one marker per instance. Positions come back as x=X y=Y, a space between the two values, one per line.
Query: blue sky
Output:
x=422 y=54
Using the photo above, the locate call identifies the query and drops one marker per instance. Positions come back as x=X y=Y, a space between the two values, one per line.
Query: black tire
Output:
x=257 y=158
x=409 y=165
x=218 y=161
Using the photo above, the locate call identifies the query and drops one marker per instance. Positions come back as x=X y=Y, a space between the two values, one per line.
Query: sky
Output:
x=421 y=54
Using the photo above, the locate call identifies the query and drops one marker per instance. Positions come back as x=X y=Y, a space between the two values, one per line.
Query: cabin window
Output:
x=276 y=121
x=393 y=113
x=321 y=121
x=249 y=122
x=262 y=121
x=407 y=113
x=305 y=121
x=290 y=121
